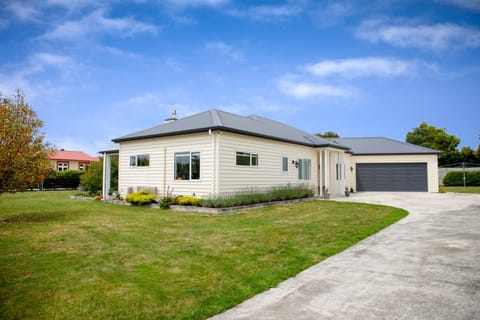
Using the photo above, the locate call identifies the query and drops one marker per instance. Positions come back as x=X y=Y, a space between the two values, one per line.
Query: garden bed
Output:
x=237 y=208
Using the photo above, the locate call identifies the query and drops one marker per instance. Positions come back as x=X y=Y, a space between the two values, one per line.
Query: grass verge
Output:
x=460 y=189
x=74 y=259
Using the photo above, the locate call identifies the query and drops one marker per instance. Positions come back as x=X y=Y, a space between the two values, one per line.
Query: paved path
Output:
x=426 y=266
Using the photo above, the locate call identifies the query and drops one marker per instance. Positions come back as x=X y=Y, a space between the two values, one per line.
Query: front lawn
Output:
x=74 y=259
x=460 y=189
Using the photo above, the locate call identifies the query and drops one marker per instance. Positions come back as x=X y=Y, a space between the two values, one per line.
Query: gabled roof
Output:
x=220 y=120
x=381 y=146
x=72 y=156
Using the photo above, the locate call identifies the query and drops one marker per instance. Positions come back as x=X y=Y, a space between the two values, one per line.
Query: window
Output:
x=339 y=171
x=62 y=166
x=83 y=166
x=140 y=160
x=285 y=164
x=304 y=169
x=247 y=159
x=187 y=166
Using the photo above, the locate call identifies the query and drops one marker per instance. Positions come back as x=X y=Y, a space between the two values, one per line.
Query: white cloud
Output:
x=196 y=3
x=174 y=64
x=21 y=76
x=267 y=12
x=361 y=67
x=306 y=90
x=97 y=23
x=333 y=13
x=467 y=4
x=224 y=49
x=72 y=4
x=23 y=11
x=437 y=37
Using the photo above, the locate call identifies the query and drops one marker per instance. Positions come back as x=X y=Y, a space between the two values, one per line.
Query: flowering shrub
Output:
x=141 y=197
x=189 y=201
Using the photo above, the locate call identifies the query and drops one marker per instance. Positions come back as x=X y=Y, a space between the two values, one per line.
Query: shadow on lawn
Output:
x=34 y=217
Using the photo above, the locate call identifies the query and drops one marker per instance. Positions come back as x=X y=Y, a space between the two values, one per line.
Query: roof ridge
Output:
x=216 y=117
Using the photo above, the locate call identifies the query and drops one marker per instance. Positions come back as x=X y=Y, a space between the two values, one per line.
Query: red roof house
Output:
x=71 y=160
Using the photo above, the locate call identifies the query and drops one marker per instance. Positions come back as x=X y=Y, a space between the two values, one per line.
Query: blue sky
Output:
x=96 y=70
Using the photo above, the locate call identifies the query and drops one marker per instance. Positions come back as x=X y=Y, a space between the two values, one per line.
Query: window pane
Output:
x=195 y=165
x=182 y=166
x=143 y=160
x=300 y=169
x=254 y=159
x=243 y=159
x=133 y=161
x=308 y=166
x=285 y=164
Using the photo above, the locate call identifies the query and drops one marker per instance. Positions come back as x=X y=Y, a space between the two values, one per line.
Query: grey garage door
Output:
x=392 y=177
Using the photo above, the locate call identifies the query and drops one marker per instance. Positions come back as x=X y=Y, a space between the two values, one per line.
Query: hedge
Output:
x=455 y=178
x=68 y=179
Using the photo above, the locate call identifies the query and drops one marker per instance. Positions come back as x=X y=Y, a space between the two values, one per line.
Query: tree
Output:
x=438 y=139
x=23 y=151
x=328 y=134
x=92 y=179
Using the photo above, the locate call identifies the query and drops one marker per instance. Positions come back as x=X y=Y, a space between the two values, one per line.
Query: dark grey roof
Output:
x=380 y=145
x=221 y=120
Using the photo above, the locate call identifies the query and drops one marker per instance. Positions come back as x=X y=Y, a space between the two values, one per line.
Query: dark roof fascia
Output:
x=396 y=154
x=109 y=151
x=160 y=135
x=227 y=129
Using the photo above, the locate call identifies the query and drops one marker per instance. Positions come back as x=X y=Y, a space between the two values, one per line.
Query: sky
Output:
x=97 y=70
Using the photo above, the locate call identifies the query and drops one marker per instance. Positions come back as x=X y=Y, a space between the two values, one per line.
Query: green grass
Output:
x=74 y=259
x=460 y=189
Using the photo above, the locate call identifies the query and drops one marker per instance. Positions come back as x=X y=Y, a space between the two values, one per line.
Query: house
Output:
x=71 y=160
x=216 y=152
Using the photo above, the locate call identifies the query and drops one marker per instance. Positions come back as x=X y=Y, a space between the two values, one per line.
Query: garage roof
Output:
x=220 y=120
x=381 y=146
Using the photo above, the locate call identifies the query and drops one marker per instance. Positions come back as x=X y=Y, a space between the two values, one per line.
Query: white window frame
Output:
x=62 y=166
x=304 y=169
x=135 y=158
x=251 y=155
x=285 y=164
x=190 y=154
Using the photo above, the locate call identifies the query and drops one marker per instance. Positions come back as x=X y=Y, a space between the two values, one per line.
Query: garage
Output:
x=391 y=177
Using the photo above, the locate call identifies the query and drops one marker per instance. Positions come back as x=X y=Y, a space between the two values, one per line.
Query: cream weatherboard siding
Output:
x=269 y=171
x=160 y=173
x=430 y=159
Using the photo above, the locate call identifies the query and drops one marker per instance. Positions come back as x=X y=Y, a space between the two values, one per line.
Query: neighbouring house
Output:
x=216 y=152
x=71 y=160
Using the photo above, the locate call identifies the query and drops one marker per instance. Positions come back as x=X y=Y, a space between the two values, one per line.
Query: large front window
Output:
x=247 y=159
x=187 y=165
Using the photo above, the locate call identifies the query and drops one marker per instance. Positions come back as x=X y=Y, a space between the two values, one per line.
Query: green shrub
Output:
x=166 y=202
x=455 y=178
x=92 y=178
x=189 y=201
x=141 y=197
x=253 y=196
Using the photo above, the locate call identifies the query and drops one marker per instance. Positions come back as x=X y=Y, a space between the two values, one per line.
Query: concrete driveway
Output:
x=426 y=266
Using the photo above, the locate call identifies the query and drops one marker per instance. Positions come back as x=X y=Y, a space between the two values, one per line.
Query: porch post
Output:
x=320 y=172
x=343 y=172
x=327 y=170
x=106 y=176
